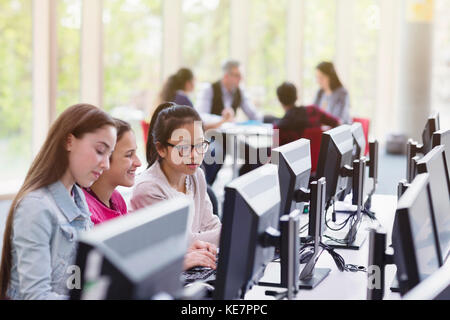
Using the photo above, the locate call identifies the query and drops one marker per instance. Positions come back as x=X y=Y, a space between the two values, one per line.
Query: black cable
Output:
x=303 y=227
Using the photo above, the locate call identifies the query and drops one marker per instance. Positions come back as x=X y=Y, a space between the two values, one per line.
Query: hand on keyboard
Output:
x=202 y=245
x=199 y=258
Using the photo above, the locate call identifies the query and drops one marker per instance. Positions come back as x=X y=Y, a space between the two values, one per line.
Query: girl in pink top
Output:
x=104 y=201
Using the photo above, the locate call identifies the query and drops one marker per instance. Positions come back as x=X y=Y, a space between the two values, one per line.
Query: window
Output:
x=267 y=53
x=206 y=37
x=15 y=88
x=68 y=26
x=363 y=69
x=319 y=43
x=441 y=61
x=132 y=52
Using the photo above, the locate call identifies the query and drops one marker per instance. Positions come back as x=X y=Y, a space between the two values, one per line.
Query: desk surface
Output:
x=341 y=285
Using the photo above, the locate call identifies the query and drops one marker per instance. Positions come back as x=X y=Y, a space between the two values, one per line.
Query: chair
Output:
x=314 y=135
x=366 y=126
x=145 y=126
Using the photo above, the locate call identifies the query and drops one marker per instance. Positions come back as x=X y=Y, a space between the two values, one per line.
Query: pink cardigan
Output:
x=152 y=187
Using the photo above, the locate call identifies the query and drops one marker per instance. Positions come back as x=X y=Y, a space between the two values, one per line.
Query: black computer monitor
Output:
x=359 y=147
x=431 y=127
x=251 y=207
x=137 y=256
x=435 y=287
x=336 y=152
x=442 y=138
x=413 y=236
x=434 y=164
x=294 y=169
x=359 y=140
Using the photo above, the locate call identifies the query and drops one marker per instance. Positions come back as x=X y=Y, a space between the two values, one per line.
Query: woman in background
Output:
x=179 y=86
x=332 y=96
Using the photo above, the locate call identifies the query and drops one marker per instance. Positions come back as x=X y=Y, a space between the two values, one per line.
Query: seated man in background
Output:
x=297 y=119
x=224 y=98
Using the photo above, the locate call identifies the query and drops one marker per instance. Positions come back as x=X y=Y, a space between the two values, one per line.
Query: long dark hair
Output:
x=327 y=68
x=174 y=83
x=50 y=165
x=166 y=118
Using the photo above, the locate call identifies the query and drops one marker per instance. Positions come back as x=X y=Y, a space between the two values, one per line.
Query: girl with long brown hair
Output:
x=50 y=209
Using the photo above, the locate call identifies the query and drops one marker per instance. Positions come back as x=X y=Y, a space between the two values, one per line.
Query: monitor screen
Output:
x=335 y=152
x=413 y=236
x=252 y=205
x=442 y=138
x=434 y=164
x=431 y=126
x=136 y=256
x=294 y=169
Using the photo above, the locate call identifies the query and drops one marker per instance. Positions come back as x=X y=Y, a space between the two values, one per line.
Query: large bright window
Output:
x=132 y=52
x=267 y=53
x=68 y=26
x=364 y=57
x=206 y=37
x=319 y=42
x=441 y=61
x=15 y=88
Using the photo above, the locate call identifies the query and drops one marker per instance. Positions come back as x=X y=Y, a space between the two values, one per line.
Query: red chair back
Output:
x=314 y=135
x=366 y=126
x=145 y=125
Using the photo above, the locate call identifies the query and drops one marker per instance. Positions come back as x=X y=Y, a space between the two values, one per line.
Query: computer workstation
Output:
x=294 y=169
x=345 y=171
x=421 y=231
x=127 y=257
x=415 y=150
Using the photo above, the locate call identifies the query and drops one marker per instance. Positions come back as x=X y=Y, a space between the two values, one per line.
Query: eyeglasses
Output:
x=186 y=149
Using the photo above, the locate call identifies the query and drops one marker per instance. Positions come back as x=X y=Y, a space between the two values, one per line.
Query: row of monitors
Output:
x=141 y=254
x=421 y=233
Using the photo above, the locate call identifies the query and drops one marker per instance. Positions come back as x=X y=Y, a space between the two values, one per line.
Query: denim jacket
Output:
x=46 y=226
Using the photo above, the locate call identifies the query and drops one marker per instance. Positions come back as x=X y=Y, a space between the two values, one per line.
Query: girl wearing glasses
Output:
x=176 y=147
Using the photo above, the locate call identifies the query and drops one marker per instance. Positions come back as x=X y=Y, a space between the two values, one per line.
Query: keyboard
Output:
x=198 y=274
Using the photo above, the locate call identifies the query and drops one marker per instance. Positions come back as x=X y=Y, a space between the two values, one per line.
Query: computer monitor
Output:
x=435 y=287
x=251 y=207
x=413 y=236
x=294 y=169
x=336 y=152
x=431 y=127
x=433 y=163
x=359 y=147
x=137 y=256
x=442 y=138
x=359 y=140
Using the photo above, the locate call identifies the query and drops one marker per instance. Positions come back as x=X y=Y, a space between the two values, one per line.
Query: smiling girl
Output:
x=50 y=209
x=104 y=201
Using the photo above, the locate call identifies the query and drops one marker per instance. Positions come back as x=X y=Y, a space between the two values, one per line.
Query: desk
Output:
x=341 y=285
x=237 y=136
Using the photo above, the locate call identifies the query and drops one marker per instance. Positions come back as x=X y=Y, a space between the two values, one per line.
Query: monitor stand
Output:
x=310 y=277
x=357 y=243
x=318 y=275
